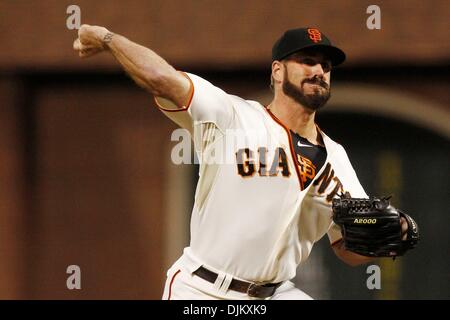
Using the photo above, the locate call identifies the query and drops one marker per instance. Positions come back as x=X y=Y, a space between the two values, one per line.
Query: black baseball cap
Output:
x=294 y=40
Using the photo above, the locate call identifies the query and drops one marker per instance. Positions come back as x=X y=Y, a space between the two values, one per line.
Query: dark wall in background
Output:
x=90 y=168
x=221 y=34
x=412 y=165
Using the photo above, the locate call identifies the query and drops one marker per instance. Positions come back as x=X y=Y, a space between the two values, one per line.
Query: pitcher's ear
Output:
x=278 y=70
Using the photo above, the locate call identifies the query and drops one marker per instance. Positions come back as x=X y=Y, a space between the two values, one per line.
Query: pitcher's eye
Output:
x=326 y=66
x=309 y=62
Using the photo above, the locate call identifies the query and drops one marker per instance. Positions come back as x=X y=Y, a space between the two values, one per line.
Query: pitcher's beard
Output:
x=313 y=101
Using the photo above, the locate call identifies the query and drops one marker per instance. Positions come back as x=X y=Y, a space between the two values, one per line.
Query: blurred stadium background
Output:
x=85 y=171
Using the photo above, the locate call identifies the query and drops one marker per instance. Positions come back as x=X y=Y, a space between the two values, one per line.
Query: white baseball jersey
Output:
x=252 y=216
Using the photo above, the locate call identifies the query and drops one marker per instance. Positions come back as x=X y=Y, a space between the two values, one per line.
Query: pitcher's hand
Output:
x=91 y=40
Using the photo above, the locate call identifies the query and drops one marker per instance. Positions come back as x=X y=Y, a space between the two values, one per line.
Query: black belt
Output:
x=252 y=289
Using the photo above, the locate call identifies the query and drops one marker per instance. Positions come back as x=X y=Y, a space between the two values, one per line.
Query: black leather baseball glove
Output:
x=372 y=227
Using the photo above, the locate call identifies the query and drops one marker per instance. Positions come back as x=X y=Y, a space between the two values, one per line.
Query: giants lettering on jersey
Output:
x=247 y=164
x=326 y=179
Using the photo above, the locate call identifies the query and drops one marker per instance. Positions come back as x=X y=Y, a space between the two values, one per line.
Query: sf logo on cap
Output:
x=315 y=35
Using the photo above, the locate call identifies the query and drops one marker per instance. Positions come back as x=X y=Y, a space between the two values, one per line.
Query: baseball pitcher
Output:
x=272 y=183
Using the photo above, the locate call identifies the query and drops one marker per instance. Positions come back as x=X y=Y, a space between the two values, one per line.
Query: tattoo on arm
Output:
x=108 y=37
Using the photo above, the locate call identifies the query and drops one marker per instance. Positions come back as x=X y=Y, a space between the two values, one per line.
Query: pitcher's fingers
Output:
x=77 y=44
x=404 y=226
x=82 y=28
x=87 y=52
x=84 y=53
